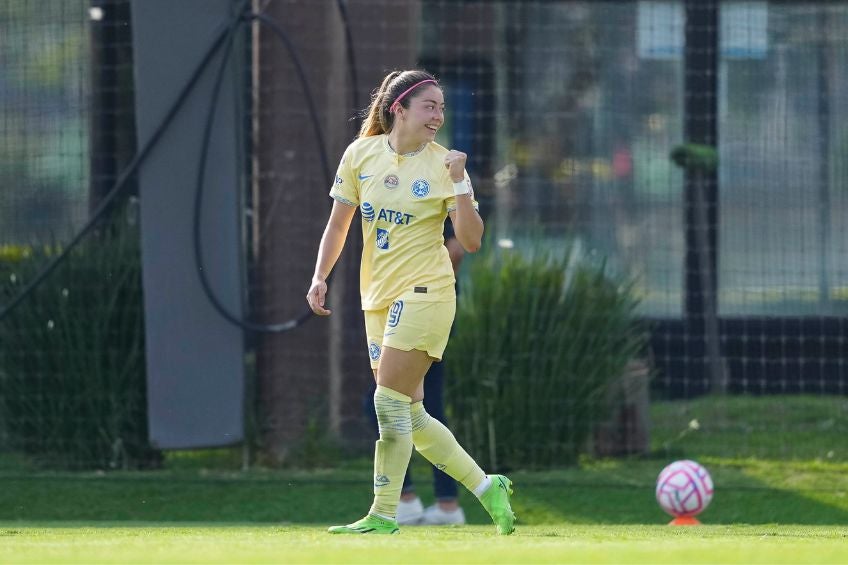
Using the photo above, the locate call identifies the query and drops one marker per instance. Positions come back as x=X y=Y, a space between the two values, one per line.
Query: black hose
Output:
x=201 y=175
x=351 y=61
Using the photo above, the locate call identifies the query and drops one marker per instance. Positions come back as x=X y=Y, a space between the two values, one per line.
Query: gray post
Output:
x=195 y=359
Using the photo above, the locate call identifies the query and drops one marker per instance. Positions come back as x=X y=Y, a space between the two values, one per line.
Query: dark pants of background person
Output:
x=444 y=486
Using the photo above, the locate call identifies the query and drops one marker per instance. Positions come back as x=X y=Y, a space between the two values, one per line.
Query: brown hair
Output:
x=377 y=117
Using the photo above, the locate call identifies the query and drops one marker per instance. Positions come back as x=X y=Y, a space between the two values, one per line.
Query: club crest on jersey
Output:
x=374 y=351
x=382 y=239
x=420 y=188
x=367 y=211
x=339 y=179
x=391 y=182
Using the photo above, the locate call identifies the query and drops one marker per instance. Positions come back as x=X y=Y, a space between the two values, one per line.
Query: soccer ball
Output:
x=684 y=489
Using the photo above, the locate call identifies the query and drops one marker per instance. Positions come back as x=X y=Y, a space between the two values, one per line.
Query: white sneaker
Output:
x=435 y=516
x=410 y=512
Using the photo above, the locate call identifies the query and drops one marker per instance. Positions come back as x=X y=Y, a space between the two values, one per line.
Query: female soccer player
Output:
x=446 y=509
x=405 y=185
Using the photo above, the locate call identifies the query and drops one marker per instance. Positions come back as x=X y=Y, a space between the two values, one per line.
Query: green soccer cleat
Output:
x=496 y=502
x=369 y=525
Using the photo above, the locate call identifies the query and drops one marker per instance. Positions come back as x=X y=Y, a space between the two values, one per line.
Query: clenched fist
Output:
x=455 y=163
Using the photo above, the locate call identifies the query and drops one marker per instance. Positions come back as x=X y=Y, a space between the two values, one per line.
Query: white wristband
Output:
x=460 y=188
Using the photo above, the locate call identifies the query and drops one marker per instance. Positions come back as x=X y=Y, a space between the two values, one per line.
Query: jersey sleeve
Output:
x=451 y=200
x=345 y=189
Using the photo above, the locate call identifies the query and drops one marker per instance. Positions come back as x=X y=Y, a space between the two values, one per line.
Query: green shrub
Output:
x=72 y=376
x=537 y=340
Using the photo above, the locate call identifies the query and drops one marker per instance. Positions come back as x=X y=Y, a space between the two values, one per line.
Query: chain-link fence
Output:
x=728 y=263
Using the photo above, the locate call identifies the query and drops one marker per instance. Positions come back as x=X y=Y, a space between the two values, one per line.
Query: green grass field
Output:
x=604 y=512
x=145 y=543
x=772 y=508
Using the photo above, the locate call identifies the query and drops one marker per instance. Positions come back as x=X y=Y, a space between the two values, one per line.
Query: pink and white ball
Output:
x=684 y=489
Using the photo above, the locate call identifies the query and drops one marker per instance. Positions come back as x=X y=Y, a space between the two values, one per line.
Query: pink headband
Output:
x=396 y=103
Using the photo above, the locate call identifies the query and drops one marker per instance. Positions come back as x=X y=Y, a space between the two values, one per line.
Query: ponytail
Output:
x=377 y=117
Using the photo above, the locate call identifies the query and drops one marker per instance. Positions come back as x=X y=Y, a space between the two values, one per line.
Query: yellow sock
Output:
x=392 y=451
x=436 y=443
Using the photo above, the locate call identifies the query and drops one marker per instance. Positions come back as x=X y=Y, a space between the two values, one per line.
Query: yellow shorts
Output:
x=409 y=324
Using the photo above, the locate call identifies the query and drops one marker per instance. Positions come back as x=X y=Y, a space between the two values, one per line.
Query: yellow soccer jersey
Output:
x=403 y=201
